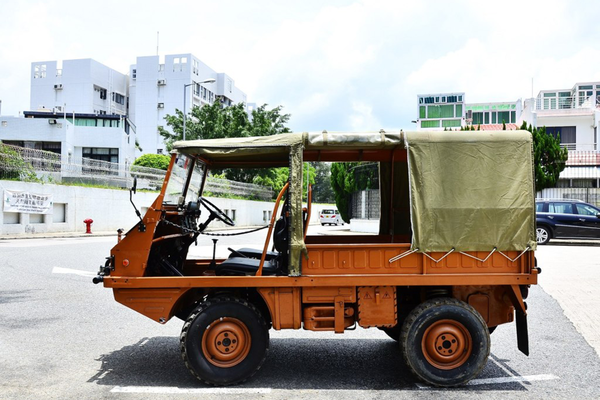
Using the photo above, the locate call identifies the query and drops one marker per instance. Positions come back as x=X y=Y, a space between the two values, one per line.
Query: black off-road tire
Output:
x=445 y=342
x=224 y=341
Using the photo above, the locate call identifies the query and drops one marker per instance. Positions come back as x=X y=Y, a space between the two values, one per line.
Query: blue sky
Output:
x=334 y=65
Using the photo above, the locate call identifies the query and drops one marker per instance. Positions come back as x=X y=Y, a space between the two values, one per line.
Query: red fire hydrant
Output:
x=88 y=225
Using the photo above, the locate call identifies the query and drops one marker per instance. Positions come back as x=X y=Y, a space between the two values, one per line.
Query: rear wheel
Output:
x=224 y=341
x=445 y=342
x=542 y=235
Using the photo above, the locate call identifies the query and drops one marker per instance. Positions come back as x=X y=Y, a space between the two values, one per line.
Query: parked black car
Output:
x=566 y=219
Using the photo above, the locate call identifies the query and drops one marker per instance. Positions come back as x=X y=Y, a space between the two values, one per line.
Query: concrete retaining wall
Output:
x=110 y=209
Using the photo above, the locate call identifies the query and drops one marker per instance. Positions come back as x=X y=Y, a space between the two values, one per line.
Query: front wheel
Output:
x=542 y=235
x=224 y=341
x=445 y=342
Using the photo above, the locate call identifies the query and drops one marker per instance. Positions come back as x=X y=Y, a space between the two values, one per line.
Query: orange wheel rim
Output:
x=226 y=342
x=446 y=344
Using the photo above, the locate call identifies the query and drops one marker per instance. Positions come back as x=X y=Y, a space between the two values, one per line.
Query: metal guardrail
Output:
x=49 y=166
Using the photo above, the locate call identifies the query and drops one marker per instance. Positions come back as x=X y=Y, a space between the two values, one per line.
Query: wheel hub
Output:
x=446 y=344
x=226 y=342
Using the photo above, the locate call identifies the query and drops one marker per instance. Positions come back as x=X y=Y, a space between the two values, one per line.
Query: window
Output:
x=560 y=208
x=422 y=112
x=433 y=111
x=39 y=71
x=503 y=117
x=447 y=111
x=567 y=134
x=458 y=112
x=4 y=123
x=487 y=117
x=133 y=73
x=430 y=124
x=429 y=100
x=101 y=92
x=451 y=123
x=118 y=98
x=539 y=207
x=452 y=99
x=477 y=118
x=585 y=209
x=102 y=154
x=195 y=67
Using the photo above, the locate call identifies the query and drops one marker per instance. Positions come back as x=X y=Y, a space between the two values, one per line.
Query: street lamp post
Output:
x=185 y=86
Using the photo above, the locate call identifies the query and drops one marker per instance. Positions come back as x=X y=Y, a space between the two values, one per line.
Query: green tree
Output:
x=215 y=121
x=347 y=178
x=322 y=191
x=548 y=157
x=157 y=161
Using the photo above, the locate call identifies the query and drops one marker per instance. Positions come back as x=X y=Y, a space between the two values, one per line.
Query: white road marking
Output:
x=527 y=378
x=59 y=270
x=508 y=379
x=176 y=390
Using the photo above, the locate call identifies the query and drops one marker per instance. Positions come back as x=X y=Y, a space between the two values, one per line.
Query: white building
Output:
x=159 y=88
x=441 y=110
x=98 y=137
x=571 y=113
x=81 y=86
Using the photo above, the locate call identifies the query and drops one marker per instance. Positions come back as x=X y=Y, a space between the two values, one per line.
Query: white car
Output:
x=331 y=217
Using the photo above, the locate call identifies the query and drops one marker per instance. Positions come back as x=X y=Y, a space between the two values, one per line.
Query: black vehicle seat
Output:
x=245 y=266
x=247 y=252
x=235 y=265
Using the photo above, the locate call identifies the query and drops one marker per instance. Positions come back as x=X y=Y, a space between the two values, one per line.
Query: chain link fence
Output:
x=21 y=163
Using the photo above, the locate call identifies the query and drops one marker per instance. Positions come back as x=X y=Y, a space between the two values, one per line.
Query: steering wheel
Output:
x=215 y=212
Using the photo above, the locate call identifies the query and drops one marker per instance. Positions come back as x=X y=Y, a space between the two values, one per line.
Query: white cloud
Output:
x=341 y=66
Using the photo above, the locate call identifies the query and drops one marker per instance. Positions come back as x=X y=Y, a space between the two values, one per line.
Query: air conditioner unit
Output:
x=58 y=86
x=162 y=82
x=161 y=105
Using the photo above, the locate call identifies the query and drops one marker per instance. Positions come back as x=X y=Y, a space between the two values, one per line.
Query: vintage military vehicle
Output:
x=452 y=260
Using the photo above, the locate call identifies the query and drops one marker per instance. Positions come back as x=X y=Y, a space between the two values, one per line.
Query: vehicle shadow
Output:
x=292 y=364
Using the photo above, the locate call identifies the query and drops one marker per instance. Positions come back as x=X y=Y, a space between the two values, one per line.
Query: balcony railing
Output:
x=567 y=103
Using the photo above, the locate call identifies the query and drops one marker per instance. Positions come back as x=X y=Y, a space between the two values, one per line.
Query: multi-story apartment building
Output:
x=180 y=81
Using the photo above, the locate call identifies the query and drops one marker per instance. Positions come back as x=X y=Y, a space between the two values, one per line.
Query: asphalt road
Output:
x=62 y=337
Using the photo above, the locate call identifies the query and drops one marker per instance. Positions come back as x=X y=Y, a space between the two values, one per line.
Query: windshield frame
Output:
x=186 y=181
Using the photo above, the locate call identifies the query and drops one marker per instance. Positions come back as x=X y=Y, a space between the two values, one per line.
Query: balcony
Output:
x=572 y=105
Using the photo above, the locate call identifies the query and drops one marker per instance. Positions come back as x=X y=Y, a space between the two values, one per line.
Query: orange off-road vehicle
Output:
x=452 y=260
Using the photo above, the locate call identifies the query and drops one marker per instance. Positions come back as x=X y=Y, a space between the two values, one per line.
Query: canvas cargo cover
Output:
x=471 y=191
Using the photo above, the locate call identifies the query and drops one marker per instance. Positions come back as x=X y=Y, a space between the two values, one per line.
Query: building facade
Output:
x=441 y=111
x=107 y=115
x=78 y=86
x=158 y=88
